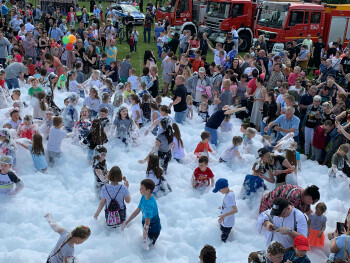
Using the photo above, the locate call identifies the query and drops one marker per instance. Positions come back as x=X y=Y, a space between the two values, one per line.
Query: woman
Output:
x=194 y=42
x=236 y=68
x=102 y=35
x=56 y=63
x=242 y=89
x=168 y=66
x=187 y=74
x=148 y=59
x=79 y=51
x=63 y=26
x=340 y=105
x=261 y=44
x=44 y=41
x=276 y=166
x=90 y=60
x=228 y=44
x=259 y=97
x=269 y=112
x=341 y=244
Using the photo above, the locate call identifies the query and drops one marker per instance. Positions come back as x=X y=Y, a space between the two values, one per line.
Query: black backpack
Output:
x=113 y=217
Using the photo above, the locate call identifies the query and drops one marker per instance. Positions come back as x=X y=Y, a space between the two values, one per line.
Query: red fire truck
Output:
x=281 y=22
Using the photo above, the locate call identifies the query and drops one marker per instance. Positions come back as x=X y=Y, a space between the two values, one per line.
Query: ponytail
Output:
x=41 y=97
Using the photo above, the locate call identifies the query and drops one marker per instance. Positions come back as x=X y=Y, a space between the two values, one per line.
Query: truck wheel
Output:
x=190 y=28
x=246 y=42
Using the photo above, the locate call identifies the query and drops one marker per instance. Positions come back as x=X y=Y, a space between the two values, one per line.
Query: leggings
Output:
x=164 y=157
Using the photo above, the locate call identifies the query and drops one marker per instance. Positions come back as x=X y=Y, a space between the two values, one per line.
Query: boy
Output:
x=339 y=160
x=80 y=74
x=318 y=142
x=203 y=147
x=10 y=184
x=134 y=80
x=34 y=89
x=102 y=63
x=104 y=118
x=253 y=182
x=55 y=139
x=274 y=253
x=150 y=217
x=297 y=253
x=203 y=113
x=208 y=254
x=119 y=96
x=202 y=175
x=228 y=208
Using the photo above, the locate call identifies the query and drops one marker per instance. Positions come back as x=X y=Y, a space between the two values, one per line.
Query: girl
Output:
x=47 y=123
x=36 y=149
x=164 y=112
x=93 y=102
x=136 y=110
x=107 y=104
x=82 y=127
x=4 y=92
x=7 y=145
x=164 y=142
x=317 y=226
x=232 y=151
x=248 y=140
x=100 y=168
x=15 y=120
x=64 y=249
x=70 y=113
x=94 y=80
x=189 y=103
x=63 y=79
x=269 y=111
x=96 y=136
x=155 y=173
x=27 y=129
x=226 y=125
x=108 y=87
x=131 y=43
x=146 y=109
x=124 y=125
x=178 y=148
x=72 y=85
x=155 y=115
x=117 y=192
x=40 y=106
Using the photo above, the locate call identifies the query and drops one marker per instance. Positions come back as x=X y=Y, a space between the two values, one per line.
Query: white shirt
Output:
x=73 y=86
x=227 y=204
x=28 y=27
x=55 y=139
x=217 y=59
x=300 y=91
x=280 y=99
x=156 y=181
x=134 y=109
x=134 y=80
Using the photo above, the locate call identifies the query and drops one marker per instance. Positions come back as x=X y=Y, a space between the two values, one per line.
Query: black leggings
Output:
x=164 y=157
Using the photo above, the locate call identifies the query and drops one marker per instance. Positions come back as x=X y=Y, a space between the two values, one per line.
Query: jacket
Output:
x=192 y=84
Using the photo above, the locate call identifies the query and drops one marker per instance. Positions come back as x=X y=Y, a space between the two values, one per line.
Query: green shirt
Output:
x=33 y=91
x=62 y=81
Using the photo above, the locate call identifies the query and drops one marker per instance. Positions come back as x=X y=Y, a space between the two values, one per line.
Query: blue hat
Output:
x=220 y=184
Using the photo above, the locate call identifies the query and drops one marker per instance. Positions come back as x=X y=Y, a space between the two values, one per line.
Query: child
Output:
x=134 y=80
x=136 y=110
x=203 y=113
x=100 y=168
x=228 y=208
x=294 y=146
x=131 y=43
x=27 y=129
x=36 y=149
x=80 y=74
x=47 y=123
x=34 y=89
x=178 y=147
x=15 y=120
x=339 y=160
x=10 y=184
x=103 y=114
x=64 y=248
x=319 y=140
x=143 y=89
x=102 y=64
x=297 y=253
x=70 y=113
x=135 y=33
x=7 y=145
x=226 y=125
x=317 y=226
x=113 y=196
x=160 y=45
x=189 y=103
x=92 y=102
x=123 y=124
x=232 y=151
x=106 y=104
x=155 y=173
x=128 y=93
x=108 y=88
x=203 y=146
x=40 y=106
x=83 y=126
x=72 y=85
x=253 y=182
x=150 y=217
x=63 y=79
x=207 y=255
x=202 y=175
x=119 y=95
x=55 y=139
x=248 y=140
x=96 y=136
x=113 y=73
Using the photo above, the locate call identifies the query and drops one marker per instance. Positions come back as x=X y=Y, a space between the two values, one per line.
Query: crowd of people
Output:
x=289 y=103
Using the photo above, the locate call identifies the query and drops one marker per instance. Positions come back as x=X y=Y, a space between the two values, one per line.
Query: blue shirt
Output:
x=290 y=255
x=149 y=209
x=111 y=53
x=341 y=241
x=158 y=30
x=4 y=10
x=38 y=160
x=56 y=33
x=288 y=124
x=253 y=183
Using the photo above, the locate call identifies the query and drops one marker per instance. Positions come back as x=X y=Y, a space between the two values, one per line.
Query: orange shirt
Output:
x=201 y=147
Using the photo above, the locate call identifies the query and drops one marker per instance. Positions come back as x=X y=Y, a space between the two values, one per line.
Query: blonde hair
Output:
x=189 y=99
x=250 y=131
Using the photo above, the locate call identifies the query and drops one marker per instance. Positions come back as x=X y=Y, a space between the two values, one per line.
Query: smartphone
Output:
x=340 y=228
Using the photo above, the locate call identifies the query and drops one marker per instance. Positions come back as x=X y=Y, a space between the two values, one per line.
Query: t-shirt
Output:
x=311 y=121
x=178 y=152
x=290 y=256
x=111 y=53
x=65 y=252
x=134 y=80
x=14 y=70
x=92 y=104
x=216 y=119
x=226 y=99
x=149 y=209
x=156 y=181
x=123 y=127
x=136 y=108
x=8 y=182
x=113 y=190
x=38 y=160
x=164 y=144
x=202 y=178
x=252 y=184
x=180 y=92
x=124 y=69
x=252 y=85
x=97 y=165
x=33 y=92
x=277 y=165
x=55 y=139
x=229 y=154
x=204 y=115
x=203 y=148
x=227 y=204
x=340 y=242
x=73 y=86
x=346 y=64
x=317 y=221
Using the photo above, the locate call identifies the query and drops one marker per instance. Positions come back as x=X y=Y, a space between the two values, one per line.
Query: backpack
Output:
x=113 y=216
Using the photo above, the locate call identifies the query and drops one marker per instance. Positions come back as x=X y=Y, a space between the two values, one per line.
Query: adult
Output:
x=286 y=123
x=147 y=26
x=90 y=59
x=328 y=71
x=225 y=97
x=183 y=42
x=269 y=112
x=196 y=61
x=308 y=42
x=111 y=50
x=306 y=100
x=216 y=79
x=345 y=64
x=125 y=67
x=291 y=53
x=179 y=100
x=259 y=98
x=215 y=121
x=263 y=60
x=56 y=63
x=341 y=247
x=198 y=84
x=55 y=32
x=80 y=30
x=4 y=48
x=148 y=59
x=276 y=75
x=282 y=223
x=168 y=66
x=203 y=44
x=261 y=43
x=129 y=23
x=154 y=89
x=29 y=46
x=85 y=17
x=13 y=72
x=317 y=50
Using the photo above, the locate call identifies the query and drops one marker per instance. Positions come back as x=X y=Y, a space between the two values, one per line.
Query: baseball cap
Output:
x=281 y=54
x=301 y=243
x=262 y=151
x=221 y=183
x=279 y=204
x=6 y=159
x=201 y=70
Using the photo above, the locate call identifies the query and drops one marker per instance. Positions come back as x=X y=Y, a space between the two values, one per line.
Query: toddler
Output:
x=226 y=125
x=203 y=146
x=253 y=182
x=202 y=175
x=134 y=80
x=189 y=103
x=248 y=140
x=27 y=129
x=317 y=226
x=232 y=151
x=203 y=113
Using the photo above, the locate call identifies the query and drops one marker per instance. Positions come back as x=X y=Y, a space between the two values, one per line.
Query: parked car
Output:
x=123 y=9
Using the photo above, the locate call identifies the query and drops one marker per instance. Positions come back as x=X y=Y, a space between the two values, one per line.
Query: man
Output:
x=96 y=12
x=55 y=32
x=183 y=42
x=292 y=54
x=276 y=75
x=217 y=57
x=308 y=42
x=317 y=52
x=286 y=123
x=328 y=72
x=125 y=67
x=29 y=46
x=345 y=64
x=28 y=26
x=262 y=59
x=196 y=61
x=203 y=45
x=306 y=100
x=110 y=50
x=157 y=30
x=4 y=48
x=225 y=97
x=4 y=9
x=179 y=100
x=147 y=26
x=197 y=84
x=16 y=22
x=283 y=223
x=128 y=21
x=81 y=30
x=37 y=14
x=13 y=71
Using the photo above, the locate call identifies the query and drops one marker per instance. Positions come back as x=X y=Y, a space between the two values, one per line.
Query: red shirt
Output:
x=196 y=64
x=202 y=177
x=252 y=85
x=319 y=138
x=201 y=147
x=31 y=69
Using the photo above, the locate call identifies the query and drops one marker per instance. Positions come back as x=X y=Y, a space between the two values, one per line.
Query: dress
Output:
x=256 y=115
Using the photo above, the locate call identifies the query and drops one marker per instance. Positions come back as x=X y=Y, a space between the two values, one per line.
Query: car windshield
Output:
x=271 y=17
x=130 y=8
x=219 y=10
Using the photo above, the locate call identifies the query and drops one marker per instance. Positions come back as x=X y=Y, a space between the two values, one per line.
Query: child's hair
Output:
x=38 y=147
x=322 y=207
x=13 y=112
x=257 y=167
x=95 y=73
x=203 y=159
x=208 y=254
x=328 y=123
x=17 y=91
x=148 y=184
x=227 y=117
x=205 y=135
x=158 y=99
x=292 y=158
x=7 y=125
x=133 y=71
x=294 y=145
x=115 y=174
x=28 y=118
x=245 y=126
x=153 y=164
x=153 y=105
x=70 y=74
x=109 y=84
x=128 y=84
x=204 y=104
x=344 y=147
x=98 y=135
x=250 y=131
x=104 y=109
x=41 y=97
x=327 y=104
x=237 y=140
x=136 y=98
x=276 y=248
x=177 y=134
x=165 y=109
x=57 y=121
x=95 y=90
x=189 y=99
x=105 y=96
x=82 y=109
x=145 y=98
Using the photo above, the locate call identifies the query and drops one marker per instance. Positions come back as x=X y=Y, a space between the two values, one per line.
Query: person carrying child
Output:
x=228 y=208
x=10 y=184
x=317 y=226
x=202 y=175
